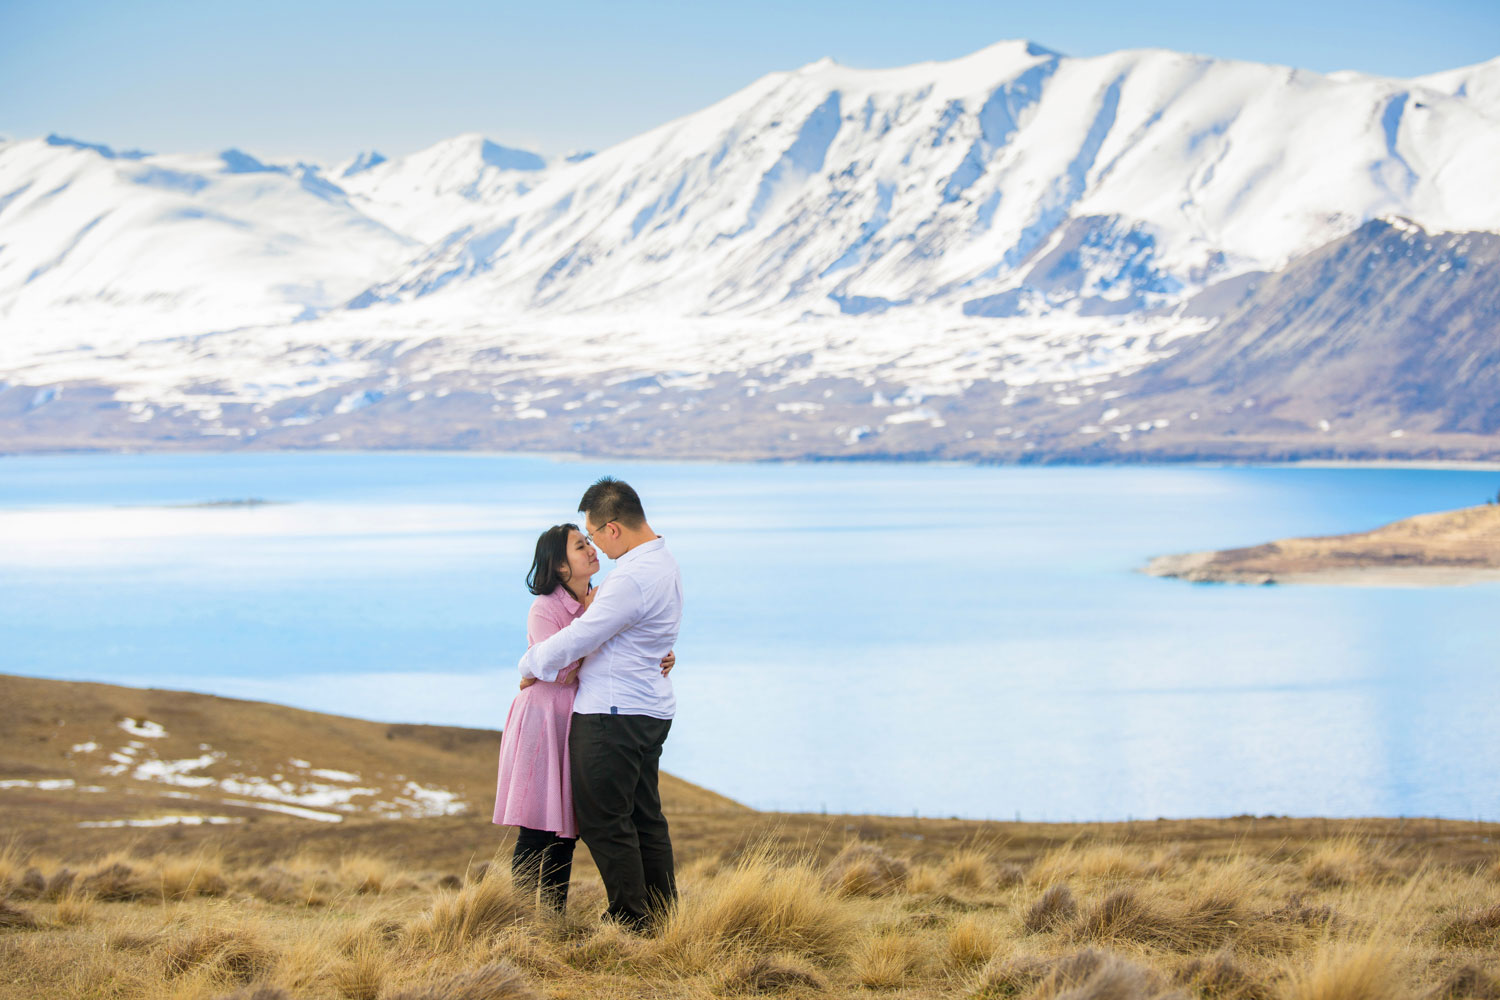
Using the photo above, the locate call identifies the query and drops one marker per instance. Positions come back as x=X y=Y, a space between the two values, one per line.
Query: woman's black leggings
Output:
x=545 y=860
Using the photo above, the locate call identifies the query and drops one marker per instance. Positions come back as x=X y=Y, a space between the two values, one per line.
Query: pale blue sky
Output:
x=322 y=80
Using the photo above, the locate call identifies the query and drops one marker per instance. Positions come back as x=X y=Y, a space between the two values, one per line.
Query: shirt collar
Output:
x=650 y=546
x=566 y=599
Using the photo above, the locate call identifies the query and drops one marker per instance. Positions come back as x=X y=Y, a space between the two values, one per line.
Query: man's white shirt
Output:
x=621 y=638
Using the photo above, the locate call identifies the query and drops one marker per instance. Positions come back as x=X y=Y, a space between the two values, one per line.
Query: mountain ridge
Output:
x=970 y=230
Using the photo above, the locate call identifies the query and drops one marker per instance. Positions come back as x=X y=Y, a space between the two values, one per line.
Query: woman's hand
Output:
x=667 y=663
x=588 y=597
x=526 y=682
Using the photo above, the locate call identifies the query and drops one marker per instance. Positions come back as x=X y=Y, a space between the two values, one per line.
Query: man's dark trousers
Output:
x=615 y=800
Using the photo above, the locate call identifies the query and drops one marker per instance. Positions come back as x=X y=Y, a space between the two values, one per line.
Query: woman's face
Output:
x=583 y=561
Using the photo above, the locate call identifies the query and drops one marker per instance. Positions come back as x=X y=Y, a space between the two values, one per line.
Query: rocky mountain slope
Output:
x=978 y=258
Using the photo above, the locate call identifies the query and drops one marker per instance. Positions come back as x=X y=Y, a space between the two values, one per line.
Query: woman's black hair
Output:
x=551 y=555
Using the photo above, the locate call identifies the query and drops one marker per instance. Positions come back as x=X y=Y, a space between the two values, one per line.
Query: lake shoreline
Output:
x=1445 y=549
x=1063 y=461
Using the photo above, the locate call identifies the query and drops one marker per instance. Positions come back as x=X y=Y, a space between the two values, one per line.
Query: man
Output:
x=624 y=705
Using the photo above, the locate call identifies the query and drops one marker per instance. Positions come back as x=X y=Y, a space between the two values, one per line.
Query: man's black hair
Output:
x=549 y=567
x=612 y=499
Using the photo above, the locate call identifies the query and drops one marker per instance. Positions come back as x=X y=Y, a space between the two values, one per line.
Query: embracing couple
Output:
x=581 y=745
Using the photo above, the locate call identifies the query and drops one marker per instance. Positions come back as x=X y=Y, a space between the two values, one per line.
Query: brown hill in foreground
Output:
x=390 y=904
x=1451 y=547
x=88 y=762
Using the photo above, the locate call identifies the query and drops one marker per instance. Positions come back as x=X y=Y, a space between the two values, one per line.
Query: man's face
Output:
x=606 y=537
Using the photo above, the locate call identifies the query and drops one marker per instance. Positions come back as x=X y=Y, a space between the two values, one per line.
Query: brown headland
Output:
x=158 y=844
x=1442 y=549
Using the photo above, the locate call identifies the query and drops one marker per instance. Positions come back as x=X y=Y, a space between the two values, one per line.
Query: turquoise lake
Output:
x=876 y=638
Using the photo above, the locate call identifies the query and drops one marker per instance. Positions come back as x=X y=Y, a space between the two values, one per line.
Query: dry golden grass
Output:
x=973 y=940
x=1322 y=919
x=761 y=903
x=1368 y=970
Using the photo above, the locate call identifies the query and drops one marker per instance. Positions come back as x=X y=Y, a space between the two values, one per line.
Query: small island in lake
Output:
x=1443 y=549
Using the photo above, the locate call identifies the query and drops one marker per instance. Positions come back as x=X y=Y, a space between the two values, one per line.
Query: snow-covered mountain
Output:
x=1012 y=182
x=1010 y=220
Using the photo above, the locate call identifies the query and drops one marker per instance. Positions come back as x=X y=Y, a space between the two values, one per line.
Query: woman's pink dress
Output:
x=534 y=789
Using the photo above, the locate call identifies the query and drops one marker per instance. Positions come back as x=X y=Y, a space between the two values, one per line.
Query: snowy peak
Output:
x=1011 y=221
x=1010 y=183
x=109 y=154
x=109 y=248
x=448 y=186
x=1478 y=85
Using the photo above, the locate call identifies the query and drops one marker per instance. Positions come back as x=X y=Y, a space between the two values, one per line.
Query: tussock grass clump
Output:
x=1088 y=862
x=31 y=885
x=260 y=992
x=496 y=981
x=277 y=885
x=762 y=906
x=1475 y=929
x=239 y=953
x=973 y=940
x=60 y=884
x=15 y=918
x=74 y=908
x=885 y=961
x=1009 y=875
x=1124 y=915
x=1467 y=983
x=475 y=912
x=866 y=870
x=1111 y=978
x=201 y=874
x=1365 y=971
x=1089 y=974
x=114 y=881
x=366 y=873
x=1007 y=976
x=1220 y=977
x=969 y=869
x=1055 y=907
x=1296 y=910
x=772 y=974
x=362 y=973
x=12 y=864
x=609 y=948
x=1345 y=861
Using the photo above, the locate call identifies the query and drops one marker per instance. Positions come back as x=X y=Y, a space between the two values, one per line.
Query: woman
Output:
x=534 y=792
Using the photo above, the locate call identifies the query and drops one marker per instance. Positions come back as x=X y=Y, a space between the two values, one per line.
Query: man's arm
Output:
x=617 y=607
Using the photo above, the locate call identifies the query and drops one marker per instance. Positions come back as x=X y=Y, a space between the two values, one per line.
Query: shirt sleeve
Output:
x=617 y=607
x=545 y=620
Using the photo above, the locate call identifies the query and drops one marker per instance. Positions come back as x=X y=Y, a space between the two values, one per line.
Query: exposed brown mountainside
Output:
x=1389 y=328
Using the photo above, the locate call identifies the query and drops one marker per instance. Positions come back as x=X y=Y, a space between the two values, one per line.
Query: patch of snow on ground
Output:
x=305 y=795
x=430 y=801
x=84 y=747
x=332 y=775
x=152 y=730
x=174 y=772
x=321 y=817
x=108 y=824
x=46 y=784
x=298 y=763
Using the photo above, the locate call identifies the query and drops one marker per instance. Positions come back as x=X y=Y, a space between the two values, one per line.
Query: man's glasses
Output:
x=589 y=535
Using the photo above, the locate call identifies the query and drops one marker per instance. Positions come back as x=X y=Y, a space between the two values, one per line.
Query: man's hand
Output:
x=667 y=663
x=526 y=682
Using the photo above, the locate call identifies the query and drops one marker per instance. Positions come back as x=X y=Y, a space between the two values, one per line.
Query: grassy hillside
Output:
x=387 y=904
x=86 y=766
